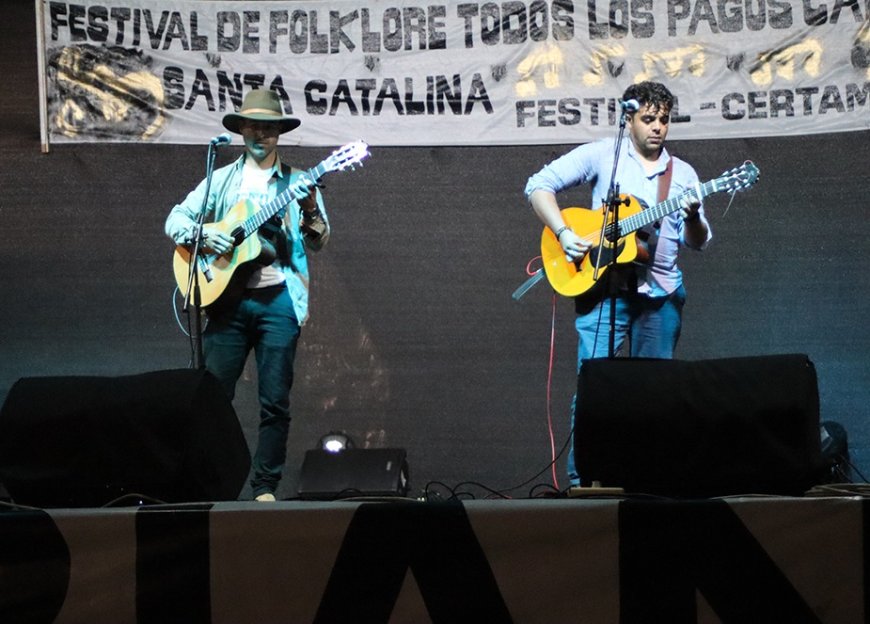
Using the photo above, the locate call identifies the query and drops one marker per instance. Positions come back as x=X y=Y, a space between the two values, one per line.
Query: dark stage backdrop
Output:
x=414 y=340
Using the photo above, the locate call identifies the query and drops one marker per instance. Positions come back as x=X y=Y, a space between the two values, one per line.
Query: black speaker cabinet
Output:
x=168 y=435
x=353 y=472
x=699 y=428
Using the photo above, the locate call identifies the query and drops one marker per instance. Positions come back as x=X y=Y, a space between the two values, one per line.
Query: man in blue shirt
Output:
x=266 y=303
x=649 y=298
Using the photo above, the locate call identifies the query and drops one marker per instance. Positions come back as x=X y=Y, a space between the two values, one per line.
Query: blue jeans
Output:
x=653 y=323
x=264 y=321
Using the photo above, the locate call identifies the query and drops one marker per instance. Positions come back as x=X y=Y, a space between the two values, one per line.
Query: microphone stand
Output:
x=193 y=275
x=611 y=233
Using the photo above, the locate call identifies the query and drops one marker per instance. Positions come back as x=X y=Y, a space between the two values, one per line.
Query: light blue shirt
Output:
x=592 y=164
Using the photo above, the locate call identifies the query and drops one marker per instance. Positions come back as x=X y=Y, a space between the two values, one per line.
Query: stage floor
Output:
x=745 y=559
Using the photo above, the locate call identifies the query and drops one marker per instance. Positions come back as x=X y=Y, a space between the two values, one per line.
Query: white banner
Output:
x=455 y=73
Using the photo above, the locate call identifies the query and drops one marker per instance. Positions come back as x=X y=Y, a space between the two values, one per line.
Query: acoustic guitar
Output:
x=571 y=278
x=216 y=271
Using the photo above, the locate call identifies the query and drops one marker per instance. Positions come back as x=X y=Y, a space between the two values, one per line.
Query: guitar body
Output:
x=572 y=278
x=223 y=268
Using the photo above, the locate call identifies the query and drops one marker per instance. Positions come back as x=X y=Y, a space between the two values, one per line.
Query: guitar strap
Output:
x=665 y=181
x=663 y=190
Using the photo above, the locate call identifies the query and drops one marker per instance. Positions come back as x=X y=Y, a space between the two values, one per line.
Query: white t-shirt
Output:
x=255 y=187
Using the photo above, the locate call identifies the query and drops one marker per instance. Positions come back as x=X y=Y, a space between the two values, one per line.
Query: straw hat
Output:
x=261 y=105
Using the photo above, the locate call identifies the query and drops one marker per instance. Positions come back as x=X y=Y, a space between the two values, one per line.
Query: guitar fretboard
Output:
x=662 y=209
x=253 y=223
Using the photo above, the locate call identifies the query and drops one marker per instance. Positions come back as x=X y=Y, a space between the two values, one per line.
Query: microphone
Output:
x=224 y=139
x=630 y=106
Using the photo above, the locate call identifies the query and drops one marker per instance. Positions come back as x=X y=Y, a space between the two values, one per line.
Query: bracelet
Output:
x=560 y=230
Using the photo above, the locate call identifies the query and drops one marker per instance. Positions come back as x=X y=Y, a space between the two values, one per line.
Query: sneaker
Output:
x=265 y=497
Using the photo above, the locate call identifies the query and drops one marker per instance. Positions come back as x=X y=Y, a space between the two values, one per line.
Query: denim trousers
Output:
x=264 y=321
x=652 y=325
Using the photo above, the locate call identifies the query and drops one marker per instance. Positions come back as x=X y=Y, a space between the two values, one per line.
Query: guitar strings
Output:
x=593 y=238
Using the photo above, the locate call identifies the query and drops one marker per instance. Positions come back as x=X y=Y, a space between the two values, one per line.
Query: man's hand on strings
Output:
x=689 y=207
x=303 y=191
x=696 y=230
x=573 y=246
x=216 y=240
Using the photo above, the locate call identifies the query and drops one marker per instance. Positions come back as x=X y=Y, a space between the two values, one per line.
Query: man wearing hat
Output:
x=272 y=300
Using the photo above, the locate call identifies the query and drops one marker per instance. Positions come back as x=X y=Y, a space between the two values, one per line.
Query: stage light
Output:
x=335 y=442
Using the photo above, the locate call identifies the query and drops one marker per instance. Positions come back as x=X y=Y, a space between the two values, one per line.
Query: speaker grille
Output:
x=85 y=441
x=699 y=429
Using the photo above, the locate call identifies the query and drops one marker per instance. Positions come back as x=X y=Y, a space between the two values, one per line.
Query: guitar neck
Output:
x=651 y=215
x=266 y=212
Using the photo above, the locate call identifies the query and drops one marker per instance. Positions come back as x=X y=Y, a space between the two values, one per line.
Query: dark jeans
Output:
x=265 y=322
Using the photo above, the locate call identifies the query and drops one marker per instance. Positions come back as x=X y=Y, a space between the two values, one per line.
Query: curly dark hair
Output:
x=655 y=94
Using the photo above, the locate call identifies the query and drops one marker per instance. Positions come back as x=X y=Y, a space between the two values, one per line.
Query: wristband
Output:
x=559 y=232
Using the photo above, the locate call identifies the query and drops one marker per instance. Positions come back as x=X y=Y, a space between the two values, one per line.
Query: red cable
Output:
x=529 y=271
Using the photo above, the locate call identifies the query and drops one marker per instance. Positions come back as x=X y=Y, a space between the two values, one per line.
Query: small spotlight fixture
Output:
x=335 y=442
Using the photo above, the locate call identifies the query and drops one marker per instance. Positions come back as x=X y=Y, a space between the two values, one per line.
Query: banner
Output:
x=454 y=73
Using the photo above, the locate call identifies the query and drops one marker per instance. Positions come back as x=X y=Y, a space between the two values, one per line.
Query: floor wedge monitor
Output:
x=353 y=472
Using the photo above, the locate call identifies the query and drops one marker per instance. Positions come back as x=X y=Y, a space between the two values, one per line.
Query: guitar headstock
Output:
x=738 y=178
x=347 y=156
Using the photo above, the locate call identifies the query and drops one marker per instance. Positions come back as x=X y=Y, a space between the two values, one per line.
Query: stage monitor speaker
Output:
x=171 y=436
x=698 y=429
x=353 y=472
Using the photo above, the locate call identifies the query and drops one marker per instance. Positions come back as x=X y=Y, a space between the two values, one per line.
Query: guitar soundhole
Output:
x=238 y=235
x=602 y=255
